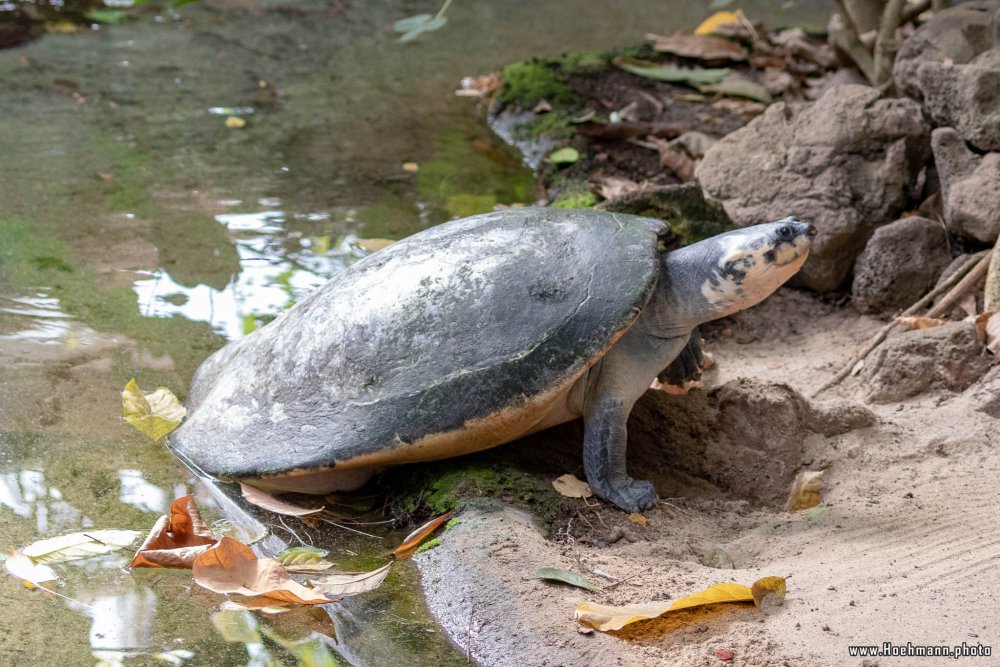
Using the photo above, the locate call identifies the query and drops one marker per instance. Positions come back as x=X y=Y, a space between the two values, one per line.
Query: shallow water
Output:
x=138 y=233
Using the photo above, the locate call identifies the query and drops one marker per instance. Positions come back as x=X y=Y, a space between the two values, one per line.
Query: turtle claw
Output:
x=633 y=496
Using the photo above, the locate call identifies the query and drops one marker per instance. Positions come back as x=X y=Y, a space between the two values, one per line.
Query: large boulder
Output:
x=966 y=97
x=970 y=186
x=948 y=356
x=955 y=35
x=900 y=264
x=846 y=163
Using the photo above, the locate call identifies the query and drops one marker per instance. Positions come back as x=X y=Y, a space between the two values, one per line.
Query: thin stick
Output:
x=881 y=335
x=886 y=44
x=967 y=283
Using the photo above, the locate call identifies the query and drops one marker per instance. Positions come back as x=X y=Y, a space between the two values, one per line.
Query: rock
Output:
x=767 y=424
x=957 y=34
x=900 y=264
x=948 y=356
x=985 y=394
x=845 y=163
x=970 y=186
x=966 y=97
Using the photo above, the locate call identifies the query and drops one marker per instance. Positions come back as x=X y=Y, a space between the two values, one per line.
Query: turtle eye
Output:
x=785 y=232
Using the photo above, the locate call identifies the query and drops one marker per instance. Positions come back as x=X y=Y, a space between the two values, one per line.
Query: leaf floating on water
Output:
x=266 y=501
x=713 y=22
x=236 y=626
x=768 y=586
x=565 y=576
x=155 y=414
x=79 y=545
x=805 y=490
x=567 y=155
x=231 y=567
x=919 y=322
x=235 y=122
x=413 y=540
x=28 y=570
x=344 y=584
x=606 y=617
x=659 y=72
x=571 y=487
x=414 y=26
x=176 y=540
x=304 y=559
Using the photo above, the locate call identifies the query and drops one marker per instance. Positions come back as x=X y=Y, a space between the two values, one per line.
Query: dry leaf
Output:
x=674 y=159
x=968 y=304
x=606 y=617
x=805 y=490
x=28 y=570
x=993 y=336
x=565 y=576
x=713 y=22
x=571 y=487
x=611 y=187
x=79 y=545
x=703 y=47
x=411 y=167
x=919 y=322
x=235 y=122
x=479 y=86
x=232 y=567
x=413 y=540
x=155 y=414
x=176 y=540
x=266 y=501
x=343 y=584
x=635 y=517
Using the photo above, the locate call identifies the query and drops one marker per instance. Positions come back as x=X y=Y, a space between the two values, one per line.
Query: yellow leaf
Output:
x=805 y=490
x=79 y=545
x=571 y=487
x=606 y=617
x=411 y=167
x=768 y=586
x=235 y=122
x=635 y=517
x=155 y=414
x=413 y=540
x=709 y=25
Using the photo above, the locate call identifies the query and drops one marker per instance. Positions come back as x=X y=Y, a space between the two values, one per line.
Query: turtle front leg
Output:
x=604 y=446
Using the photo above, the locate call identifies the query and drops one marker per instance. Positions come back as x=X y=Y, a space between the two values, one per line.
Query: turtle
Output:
x=469 y=335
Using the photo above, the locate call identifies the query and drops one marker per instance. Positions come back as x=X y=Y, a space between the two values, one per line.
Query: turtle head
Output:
x=751 y=263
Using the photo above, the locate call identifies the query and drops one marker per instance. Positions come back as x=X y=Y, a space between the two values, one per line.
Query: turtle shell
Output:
x=441 y=330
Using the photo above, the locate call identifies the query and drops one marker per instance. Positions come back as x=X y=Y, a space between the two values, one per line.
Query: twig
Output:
x=881 y=335
x=340 y=525
x=847 y=39
x=622 y=581
x=886 y=44
x=913 y=11
x=971 y=279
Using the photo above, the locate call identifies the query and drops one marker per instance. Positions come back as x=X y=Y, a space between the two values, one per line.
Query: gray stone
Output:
x=900 y=264
x=970 y=186
x=966 y=97
x=948 y=356
x=846 y=163
x=985 y=394
x=957 y=34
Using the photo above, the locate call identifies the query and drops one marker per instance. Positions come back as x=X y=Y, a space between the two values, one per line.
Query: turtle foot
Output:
x=633 y=495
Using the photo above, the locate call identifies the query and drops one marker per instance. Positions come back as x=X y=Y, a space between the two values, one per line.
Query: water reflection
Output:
x=136 y=491
x=26 y=494
x=277 y=267
x=49 y=325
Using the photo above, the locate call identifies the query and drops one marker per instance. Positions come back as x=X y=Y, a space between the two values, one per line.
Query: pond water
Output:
x=139 y=233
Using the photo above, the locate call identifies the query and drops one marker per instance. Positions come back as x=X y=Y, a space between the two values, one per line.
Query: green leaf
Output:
x=238 y=627
x=565 y=576
x=79 y=545
x=155 y=414
x=566 y=155
x=304 y=559
x=411 y=22
x=688 y=75
x=430 y=26
x=739 y=88
x=107 y=16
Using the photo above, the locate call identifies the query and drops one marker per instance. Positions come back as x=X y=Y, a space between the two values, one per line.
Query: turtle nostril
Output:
x=811 y=231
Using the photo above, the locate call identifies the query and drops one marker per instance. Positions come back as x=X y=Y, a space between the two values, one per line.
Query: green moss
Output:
x=429 y=544
x=575 y=200
x=528 y=82
x=128 y=188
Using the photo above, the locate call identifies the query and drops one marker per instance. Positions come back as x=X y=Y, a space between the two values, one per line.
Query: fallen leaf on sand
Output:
x=79 y=545
x=232 y=567
x=304 y=559
x=155 y=414
x=703 y=47
x=635 y=517
x=413 y=540
x=919 y=322
x=571 y=487
x=565 y=576
x=28 y=570
x=343 y=584
x=606 y=617
x=176 y=540
x=713 y=22
x=805 y=490
x=266 y=501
